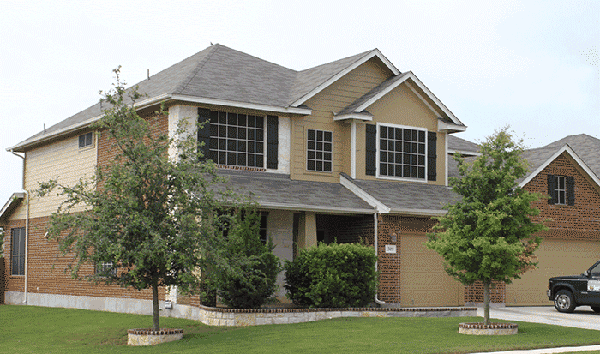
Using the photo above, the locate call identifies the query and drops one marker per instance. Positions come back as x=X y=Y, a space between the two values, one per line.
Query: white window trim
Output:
x=377 y=162
x=91 y=145
x=558 y=190
x=306 y=140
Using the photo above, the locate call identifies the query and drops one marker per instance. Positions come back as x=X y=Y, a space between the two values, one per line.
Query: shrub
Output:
x=250 y=278
x=332 y=276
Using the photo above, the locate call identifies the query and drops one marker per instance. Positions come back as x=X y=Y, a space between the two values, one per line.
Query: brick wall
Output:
x=578 y=222
x=44 y=278
x=474 y=293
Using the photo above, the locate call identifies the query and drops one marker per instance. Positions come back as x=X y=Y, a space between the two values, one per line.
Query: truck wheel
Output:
x=564 y=302
x=596 y=309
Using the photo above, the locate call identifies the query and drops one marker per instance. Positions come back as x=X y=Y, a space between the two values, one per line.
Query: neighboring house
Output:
x=568 y=171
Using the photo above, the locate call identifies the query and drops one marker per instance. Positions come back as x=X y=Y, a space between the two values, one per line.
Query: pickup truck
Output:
x=571 y=291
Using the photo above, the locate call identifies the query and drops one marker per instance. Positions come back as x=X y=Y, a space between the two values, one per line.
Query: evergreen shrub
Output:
x=332 y=276
x=250 y=279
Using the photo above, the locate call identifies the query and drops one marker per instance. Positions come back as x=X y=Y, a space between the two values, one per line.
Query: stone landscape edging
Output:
x=246 y=317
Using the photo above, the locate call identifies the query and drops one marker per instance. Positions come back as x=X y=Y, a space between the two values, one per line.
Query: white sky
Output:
x=530 y=64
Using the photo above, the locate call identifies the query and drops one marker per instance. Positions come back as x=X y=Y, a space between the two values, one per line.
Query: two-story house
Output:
x=348 y=151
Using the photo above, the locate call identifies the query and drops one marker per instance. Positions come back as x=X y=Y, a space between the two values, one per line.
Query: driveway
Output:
x=583 y=317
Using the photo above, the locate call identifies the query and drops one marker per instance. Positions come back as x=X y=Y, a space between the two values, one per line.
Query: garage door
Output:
x=423 y=281
x=556 y=257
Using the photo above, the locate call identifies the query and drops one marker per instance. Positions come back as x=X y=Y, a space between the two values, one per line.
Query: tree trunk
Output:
x=155 y=309
x=486 y=302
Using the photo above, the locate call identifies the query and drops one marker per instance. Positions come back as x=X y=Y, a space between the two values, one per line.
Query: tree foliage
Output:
x=488 y=235
x=148 y=215
x=250 y=280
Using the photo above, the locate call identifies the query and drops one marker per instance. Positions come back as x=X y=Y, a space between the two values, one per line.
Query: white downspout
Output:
x=376 y=299
x=353 y=149
x=26 y=225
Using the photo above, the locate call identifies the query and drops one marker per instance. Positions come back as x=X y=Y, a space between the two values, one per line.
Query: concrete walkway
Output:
x=583 y=317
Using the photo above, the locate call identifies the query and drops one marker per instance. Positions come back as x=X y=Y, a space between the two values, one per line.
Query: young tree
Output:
x=488 y=235
x=149 y=218
x=251 y=279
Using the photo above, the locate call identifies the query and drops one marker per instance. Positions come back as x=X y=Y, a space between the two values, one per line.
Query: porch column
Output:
x=307 y=230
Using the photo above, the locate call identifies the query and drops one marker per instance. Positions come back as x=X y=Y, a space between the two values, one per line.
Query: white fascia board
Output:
x=419 y=212
x=381 y=208
x=318 y=209
x=254 y=106
x=334 y=78
x=11 y=202
x=443 y=126
x=452 y=152
x=575 y=157
x=354 y=115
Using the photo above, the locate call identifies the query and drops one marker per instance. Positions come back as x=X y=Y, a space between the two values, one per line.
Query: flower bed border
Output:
x=494 y=328
x=256 y=317
x=147 y=336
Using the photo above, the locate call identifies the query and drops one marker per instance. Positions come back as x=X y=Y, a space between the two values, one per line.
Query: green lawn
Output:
x=30 y=329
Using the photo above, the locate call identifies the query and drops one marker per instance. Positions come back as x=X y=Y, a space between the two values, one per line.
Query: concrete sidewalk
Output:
x=583 y=317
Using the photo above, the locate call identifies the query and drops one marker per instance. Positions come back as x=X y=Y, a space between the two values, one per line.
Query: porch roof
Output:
x=408 y=198
x=279 y=191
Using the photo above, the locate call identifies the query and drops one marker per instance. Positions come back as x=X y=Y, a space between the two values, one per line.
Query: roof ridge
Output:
x=196 y=70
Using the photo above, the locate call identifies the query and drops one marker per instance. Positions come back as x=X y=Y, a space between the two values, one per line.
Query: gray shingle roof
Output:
x=585 y=146
x=458 y=144
x=219 y=72
x=409 y=197
x=279 y=191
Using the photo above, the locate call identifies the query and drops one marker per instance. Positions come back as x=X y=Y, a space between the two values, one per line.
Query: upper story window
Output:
x=86 y=140
x=402 y=152
x=319 y=153
x=17 y=251
x=561 y=190
x=236 y=139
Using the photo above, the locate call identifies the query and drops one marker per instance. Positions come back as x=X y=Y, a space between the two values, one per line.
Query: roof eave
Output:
x=367 y=117
x=314 y=208
x=419 y=212
x=246 y=105
x=11 y=204
x=450 y=127
x=23 y=146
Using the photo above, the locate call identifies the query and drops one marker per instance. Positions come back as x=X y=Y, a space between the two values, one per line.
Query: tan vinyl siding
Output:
x=62 y=160
x=333 y=99
x=402 y=106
